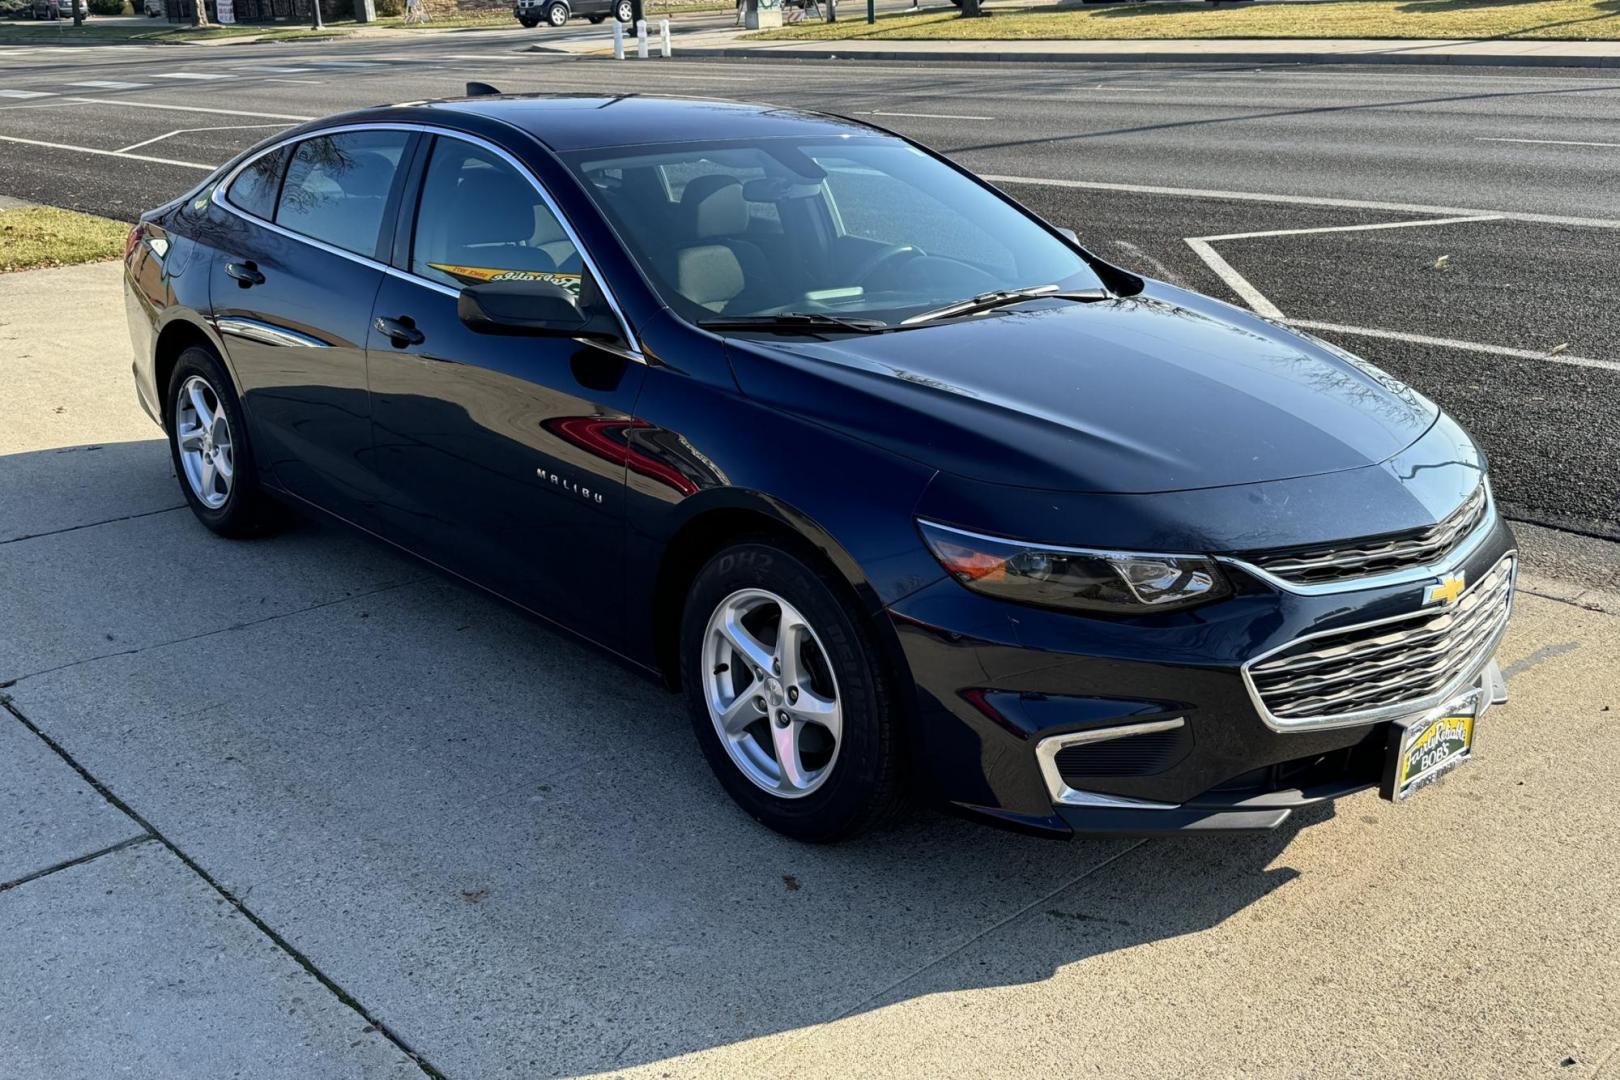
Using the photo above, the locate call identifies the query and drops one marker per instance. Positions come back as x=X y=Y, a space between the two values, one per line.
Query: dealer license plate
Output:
x=1422 y=751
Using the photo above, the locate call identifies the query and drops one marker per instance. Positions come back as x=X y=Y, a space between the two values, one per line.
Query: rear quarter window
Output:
x=255 y=187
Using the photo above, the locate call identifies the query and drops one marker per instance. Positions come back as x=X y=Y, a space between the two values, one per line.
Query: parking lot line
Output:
x=1355 y=228
x=122 y=104
x=1546 y=142
x=111 y=84
x=184 y=131
x=26 y=93
x=924 y=115
x=105 y=153
x=194 y=76
x=1235 y=281
x=1453 y=343
x=1306 y=200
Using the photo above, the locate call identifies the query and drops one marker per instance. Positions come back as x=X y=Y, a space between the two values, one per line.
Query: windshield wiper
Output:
x=794 y=320
x=988 y=300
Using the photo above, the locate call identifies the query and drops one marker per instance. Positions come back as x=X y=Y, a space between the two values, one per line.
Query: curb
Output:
x=1246 y=58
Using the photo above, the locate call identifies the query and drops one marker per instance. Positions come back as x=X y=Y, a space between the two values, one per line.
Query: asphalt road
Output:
x=1505 y=317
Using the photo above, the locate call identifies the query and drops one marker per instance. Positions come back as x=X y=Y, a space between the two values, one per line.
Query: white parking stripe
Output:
x=1453 y=343
x=925 y=115
x=122 y=104
x=105 y=153
x=1235 y=281
x=112 y=84
x=276 y=70
x=26 y=93
x=1306 y=200
x=195 y=76
x=185 y=131
x=1355 y=228
x=1547 y=142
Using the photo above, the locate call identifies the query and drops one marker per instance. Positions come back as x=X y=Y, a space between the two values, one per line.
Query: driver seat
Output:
x=714 y=267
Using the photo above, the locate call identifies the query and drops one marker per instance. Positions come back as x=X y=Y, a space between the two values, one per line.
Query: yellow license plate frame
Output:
x=1427 y=748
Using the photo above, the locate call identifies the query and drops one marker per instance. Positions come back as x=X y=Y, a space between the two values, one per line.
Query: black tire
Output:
x=557 y=13
x=595 y=19
x=863 y=786
x=247 y=509
x=623 y=11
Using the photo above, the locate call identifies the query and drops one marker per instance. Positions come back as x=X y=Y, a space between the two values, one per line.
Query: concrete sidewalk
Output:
x=297 y=808
x=731 y=43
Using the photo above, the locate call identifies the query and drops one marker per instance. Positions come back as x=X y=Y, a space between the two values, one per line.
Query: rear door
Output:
x=502 y=457
x=292 y=292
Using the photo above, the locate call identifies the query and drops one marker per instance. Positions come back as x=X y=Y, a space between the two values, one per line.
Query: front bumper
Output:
x=1020 y=709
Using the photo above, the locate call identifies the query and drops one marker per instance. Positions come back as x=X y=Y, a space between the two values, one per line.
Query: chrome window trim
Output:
x=1453 y=559
x=1046 y=752
x=1412 y=707
x=218 y=196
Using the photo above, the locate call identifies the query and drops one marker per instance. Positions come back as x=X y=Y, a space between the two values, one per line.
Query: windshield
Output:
x=864 y=227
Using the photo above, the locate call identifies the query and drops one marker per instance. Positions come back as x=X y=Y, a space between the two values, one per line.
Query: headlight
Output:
x=1114 y=581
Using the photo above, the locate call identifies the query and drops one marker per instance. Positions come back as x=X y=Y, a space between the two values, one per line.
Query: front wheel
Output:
x=557 y=14
x=789 y=702
x=208 y=444
x=623 y=11
x=529 y=24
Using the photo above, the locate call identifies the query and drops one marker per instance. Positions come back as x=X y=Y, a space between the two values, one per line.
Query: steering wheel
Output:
x=882 y=257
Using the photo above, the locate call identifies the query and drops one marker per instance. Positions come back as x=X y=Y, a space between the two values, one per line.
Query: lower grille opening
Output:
x=1130 y=755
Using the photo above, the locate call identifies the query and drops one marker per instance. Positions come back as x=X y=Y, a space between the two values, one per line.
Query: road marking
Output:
x=106 y=153
x=1453 y=343
x=1234 y=280
x=276 y=70
x=1355 y=228
x=300 y=82
x=925 y=115
x=1306 y=200
x=112 y=84
x=26 y=93
x=195 y=76
x=1546 y=142
x=122 y=104
x=184 y=131
x=1263 y=307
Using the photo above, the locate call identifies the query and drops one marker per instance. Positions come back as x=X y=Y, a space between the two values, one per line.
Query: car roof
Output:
x=580 y=122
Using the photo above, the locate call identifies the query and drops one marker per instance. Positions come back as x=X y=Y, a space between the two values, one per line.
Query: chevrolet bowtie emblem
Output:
x=1444 y=591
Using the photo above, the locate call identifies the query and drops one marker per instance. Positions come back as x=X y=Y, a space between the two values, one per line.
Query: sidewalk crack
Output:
x=280 y=942
x=77 y=860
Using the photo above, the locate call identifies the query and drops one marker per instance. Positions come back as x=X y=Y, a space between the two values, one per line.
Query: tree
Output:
x=971 y=9
x=199 y=13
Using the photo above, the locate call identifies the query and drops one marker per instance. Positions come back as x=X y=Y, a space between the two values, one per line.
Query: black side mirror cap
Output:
x=531 y=309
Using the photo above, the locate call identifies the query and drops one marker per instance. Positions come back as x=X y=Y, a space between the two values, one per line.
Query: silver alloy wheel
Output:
x=623 y=11
x=207 y=451
x=557 y=15
x=771 y=693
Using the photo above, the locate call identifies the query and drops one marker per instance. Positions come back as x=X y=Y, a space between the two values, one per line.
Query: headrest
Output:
x=708 y=275
x=361 y=173
x=713 y=205
x=492 y=206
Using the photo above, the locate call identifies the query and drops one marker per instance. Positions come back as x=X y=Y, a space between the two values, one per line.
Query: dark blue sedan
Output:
x=900 y=485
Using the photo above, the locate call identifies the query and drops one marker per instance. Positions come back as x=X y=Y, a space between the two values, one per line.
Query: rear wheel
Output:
x=787 y=697
x=208 y=444
x=622 y=11
x=594 y=19
x=557 y=13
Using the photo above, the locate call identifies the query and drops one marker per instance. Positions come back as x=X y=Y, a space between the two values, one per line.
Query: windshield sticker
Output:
x=474 y=275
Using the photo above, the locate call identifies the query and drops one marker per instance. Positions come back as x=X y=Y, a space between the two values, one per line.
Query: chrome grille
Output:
x=1376 y=555
x=1388 y=666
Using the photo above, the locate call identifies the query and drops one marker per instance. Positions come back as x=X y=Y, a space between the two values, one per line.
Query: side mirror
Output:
x=532 y=309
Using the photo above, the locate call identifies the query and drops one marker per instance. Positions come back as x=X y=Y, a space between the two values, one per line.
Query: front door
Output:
x=292 y=291
x=497 y=453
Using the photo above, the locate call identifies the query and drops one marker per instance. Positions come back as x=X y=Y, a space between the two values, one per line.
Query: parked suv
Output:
x=557 y=12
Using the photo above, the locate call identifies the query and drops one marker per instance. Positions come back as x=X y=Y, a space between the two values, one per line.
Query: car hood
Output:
x=1164 y=391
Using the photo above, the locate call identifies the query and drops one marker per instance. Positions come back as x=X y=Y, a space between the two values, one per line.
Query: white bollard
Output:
x=618 y=40
x=663 y=32
x=641 y=39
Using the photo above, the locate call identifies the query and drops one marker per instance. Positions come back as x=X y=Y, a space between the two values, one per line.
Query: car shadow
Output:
x=507 y=850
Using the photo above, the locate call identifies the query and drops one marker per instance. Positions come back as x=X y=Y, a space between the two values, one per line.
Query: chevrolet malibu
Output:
x=900 y=485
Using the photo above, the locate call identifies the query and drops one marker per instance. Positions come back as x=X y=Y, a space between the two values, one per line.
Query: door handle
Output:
x=401 y=331
x=246 y=274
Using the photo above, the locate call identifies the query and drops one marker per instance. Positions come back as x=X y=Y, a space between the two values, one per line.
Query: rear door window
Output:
x=337 y=187
x=255 y=188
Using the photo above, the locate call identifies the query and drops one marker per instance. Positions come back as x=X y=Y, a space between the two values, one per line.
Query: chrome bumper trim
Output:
x=1046 y=752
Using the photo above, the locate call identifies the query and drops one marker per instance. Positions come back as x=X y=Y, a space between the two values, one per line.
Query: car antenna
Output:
x=480 y=89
